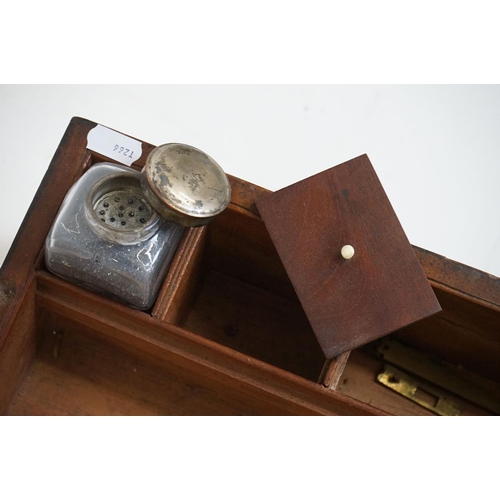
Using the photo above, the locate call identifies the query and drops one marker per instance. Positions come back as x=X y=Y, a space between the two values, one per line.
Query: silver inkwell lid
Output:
x=184 y=184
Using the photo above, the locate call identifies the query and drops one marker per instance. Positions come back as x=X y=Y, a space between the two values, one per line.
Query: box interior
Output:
x=243 y=299
x=233 y=292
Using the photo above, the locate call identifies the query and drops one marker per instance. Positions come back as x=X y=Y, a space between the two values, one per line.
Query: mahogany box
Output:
x=228 y=334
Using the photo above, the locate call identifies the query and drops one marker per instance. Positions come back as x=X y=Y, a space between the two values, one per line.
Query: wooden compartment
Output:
x=240 y=297
x=458 y=348
x=227 y=334
x=73 y=352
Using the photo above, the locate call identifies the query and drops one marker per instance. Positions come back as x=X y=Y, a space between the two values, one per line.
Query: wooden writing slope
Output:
x=227 y=334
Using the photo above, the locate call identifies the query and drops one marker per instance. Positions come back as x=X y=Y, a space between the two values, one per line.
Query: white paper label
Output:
x=114 y=145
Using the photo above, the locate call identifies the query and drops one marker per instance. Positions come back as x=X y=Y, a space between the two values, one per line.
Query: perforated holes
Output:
x=123 y=210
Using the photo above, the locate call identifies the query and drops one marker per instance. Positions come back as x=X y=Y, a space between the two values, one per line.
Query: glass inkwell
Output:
x=117 y=229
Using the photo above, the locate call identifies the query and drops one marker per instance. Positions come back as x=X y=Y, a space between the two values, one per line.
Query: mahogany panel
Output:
x=244 y=194
x=348 y=302
x=19 y=347
x=465 y=333
x=333 y=370
x=256 y=322
x=140 y=333
x=182 y=278
x=239 y=245
x=470 y=283
x=235 y=247
x=77 y=373
x=66 y=165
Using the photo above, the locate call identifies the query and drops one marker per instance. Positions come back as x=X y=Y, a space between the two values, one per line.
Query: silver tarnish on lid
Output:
x=184 y=184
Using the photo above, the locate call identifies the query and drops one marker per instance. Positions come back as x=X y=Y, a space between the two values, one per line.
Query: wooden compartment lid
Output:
x=348 y=301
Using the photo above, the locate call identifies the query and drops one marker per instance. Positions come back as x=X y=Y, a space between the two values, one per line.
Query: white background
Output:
x=436 y=148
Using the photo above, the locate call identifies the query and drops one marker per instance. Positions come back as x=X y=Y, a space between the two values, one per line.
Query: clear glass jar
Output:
x=107 y=238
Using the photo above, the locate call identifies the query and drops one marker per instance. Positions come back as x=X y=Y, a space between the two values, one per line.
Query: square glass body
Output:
x=108 y=239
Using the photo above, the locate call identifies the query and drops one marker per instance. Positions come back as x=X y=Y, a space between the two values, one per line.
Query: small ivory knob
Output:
x=347 y=252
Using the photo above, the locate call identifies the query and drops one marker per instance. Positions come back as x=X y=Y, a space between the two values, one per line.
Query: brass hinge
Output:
x=440 y=374
x=424 y=394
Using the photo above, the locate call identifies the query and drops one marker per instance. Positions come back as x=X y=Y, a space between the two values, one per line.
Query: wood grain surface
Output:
x=227 y=334
x=348 y=302
x=141 y=334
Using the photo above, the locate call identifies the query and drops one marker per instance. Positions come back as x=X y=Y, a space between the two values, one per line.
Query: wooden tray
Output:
x=227 y=334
